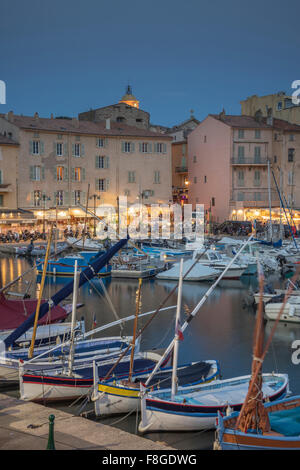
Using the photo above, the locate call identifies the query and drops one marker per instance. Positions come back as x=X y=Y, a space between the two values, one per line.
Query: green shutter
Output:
x=155 y=147
x=73 y=150
x=106 y=162
x=42 y=173
x=83 y=173
x=140 y=147
x=73 y=174
x=96 y=184
x=65 y=149
x=123 y=146
x=41 y=148
x=31 y=147
x=107 y=184
x=150 y=148
x=106 y=142
x=83 y=198
x=31 y=172
x=82 y=153
x=132 y=146
x=66 y=173
x=164 y=148
x=97 y=161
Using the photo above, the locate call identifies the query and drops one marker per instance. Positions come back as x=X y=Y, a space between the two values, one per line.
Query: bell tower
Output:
x=129 y=99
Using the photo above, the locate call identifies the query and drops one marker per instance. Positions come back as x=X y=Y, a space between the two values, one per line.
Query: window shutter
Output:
x=96 y=161
x=65 y=149
x=54 y=198
x=41 y=148
x=42 y=173
x=105 y=142
x=132 y=146
x=32 y=198
x=82 y=150
x=73 y=174
x=164 y=148
x=107 y=184
x=106 y=162
x=123 y=146
x=83 y=173
x=83 y=198
x=31 y=147
x=96 y=184
x=31 y=172
x=149 y=148
x=140 y=147
x=73 y=198
x=66 y=173
x=73 y=150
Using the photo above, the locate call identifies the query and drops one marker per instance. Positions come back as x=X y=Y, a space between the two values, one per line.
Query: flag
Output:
x=178 y=330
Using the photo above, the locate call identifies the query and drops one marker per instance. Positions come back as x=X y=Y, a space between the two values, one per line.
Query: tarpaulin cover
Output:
x=14 y=312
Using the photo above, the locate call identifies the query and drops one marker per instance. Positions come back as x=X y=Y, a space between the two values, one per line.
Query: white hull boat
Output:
x=198 y=273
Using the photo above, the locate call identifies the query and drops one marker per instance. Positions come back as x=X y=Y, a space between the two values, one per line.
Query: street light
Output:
x=94 y=196
x=45 y=198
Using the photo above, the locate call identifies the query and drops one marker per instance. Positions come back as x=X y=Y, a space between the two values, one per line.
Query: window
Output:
x=77 y=150
x=240 y=196
x=77 y=197
x=35 y=147
x=291 y=137
x=205 y=179
x=77 y=174
x=257 y=133
x=1 y=200
x=59 y=173
x=160 y=148
x=257 y=155
x=291 y=155
x=144 y=147
x=290 y=178
x=127 y=147
x=275 y=158
x=240 y=180
x=241 y=133
x=131 y=176
x=257 y=196
x=100 y=161
x=205 y=140
x=59 y=198
x=77 y=137
x=59 y=149
x=241 y=154
x=100 y=184
x=156 y=177
x=35 y=173
x=37 y=198
x=213 y=201
x=100 y=142
x=1 y=178
x=257 y=178
x=194 y=158
x=120 y=119
x=279 y=105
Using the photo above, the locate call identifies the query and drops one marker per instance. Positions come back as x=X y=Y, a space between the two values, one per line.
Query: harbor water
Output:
x=222 y=329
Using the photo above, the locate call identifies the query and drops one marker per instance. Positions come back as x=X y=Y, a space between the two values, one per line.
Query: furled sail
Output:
x=85 y=276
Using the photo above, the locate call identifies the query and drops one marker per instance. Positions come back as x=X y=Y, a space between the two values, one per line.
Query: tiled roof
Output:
x=76 y=126
x=4 y=140
x=241 y=121
x=285 y=125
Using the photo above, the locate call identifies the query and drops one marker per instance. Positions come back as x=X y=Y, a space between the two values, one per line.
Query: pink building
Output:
x=228 y=166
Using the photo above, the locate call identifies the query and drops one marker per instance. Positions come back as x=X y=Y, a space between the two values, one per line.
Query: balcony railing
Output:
x=181 y=169
x=254 y=198
x=249 y=161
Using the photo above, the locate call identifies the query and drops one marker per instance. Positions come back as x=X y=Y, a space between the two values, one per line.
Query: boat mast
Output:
x=137 y=311
x=270 y=201
x=30 y=351
x=176 y=344
x=74 y=306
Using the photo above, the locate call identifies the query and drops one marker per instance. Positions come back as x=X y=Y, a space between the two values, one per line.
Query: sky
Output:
x=68 y=56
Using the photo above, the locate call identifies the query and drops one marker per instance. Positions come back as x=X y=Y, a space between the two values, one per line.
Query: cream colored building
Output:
x=60 y=161
x=279 y=105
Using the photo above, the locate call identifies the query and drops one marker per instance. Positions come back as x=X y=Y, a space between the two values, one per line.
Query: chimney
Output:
x=51 y=117
x=107 y=123
x=36 y=116
x=75 y=122
x=10 y=116
x=270 y=117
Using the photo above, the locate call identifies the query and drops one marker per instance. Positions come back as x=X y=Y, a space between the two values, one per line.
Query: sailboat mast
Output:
x=137 y=310
x=176 y=344
x=270 y=201
x=74 y=306
x=30 y=351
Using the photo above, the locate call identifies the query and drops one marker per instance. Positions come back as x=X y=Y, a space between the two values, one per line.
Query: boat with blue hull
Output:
x=284 y=433
x=65 y=266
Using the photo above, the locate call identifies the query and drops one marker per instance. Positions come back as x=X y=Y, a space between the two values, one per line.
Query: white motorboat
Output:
x=199 y=272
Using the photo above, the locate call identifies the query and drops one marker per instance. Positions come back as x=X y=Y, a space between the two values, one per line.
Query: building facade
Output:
x=61 y=162
x=279 y=105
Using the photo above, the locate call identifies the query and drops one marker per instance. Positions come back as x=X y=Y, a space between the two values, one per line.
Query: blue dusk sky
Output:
x=67 y=56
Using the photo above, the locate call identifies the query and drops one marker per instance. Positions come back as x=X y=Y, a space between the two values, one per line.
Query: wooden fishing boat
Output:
x=65 y=266
x=261 y=425
x=121 y=396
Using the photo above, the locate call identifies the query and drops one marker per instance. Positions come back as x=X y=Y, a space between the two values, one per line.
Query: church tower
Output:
x=129 y=99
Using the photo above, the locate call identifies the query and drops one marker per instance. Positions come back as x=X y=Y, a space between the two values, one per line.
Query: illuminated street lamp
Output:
x=94 y=196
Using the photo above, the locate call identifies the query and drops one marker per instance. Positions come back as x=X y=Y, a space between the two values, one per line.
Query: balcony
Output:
x=254 y=198
x=258 y=161
x=181 y=169
x=5 y=188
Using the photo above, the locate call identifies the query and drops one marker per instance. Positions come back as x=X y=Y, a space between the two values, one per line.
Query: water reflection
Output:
x=222 y=329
